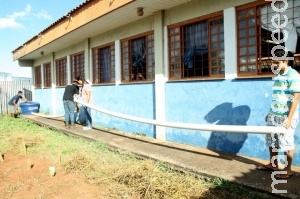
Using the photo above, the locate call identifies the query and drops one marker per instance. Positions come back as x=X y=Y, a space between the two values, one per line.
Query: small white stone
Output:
x=52 y=171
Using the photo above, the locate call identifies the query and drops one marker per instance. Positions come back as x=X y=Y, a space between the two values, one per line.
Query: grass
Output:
x=125 y=174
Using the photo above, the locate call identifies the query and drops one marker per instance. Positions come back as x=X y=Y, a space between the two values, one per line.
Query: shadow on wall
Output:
x=225 y=114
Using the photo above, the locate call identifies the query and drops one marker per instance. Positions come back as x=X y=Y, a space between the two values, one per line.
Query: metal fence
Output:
x=8 y=89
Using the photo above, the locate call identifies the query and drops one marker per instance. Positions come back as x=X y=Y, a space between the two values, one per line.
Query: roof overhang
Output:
x=77 y=25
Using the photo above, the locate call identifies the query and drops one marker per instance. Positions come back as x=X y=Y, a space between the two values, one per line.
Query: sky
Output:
x=23 y=19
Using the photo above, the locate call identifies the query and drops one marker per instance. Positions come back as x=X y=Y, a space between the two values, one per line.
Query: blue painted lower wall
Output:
x=44 y=98
x=135 y=100
x=230 y=102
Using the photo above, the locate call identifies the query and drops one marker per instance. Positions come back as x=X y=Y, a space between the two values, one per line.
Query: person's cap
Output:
x=88 y=81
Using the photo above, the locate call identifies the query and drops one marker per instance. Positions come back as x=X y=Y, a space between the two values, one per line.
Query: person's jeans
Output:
x=87 y=112
x=69 y=107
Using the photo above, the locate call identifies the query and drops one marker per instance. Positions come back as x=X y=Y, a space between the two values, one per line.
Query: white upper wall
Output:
x=79 y=47
x=128 y=30
x=199 y=8
x=190 y=10
x=42 y=60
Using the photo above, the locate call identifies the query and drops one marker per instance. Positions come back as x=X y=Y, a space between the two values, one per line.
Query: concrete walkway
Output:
x=200 y=161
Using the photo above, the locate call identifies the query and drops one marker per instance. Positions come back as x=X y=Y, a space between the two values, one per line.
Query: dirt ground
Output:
x=22 y=177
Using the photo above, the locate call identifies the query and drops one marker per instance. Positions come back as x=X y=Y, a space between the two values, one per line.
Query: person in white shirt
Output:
x=86 y=93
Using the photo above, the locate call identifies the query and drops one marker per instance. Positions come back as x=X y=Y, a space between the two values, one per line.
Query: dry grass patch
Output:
x=135 y=178
x=154 y=180
x=17 y=140
x=121 y=174
x=79 y=163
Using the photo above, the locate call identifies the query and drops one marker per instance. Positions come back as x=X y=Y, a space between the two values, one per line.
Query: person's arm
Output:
x=15 y=104
x=76 y=92
x=88 y=95
x=140 y=76
x=295 y=102
x=76 y=95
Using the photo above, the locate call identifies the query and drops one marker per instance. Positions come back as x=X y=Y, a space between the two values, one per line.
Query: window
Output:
x=104 y=64
x=47 y=75
x=138 y=58
x=196 y=49
x=77 y=65
x=254 y=36
x=38 y=77
x=61 y=72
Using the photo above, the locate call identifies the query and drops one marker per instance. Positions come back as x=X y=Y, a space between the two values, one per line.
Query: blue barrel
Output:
x=28 y=107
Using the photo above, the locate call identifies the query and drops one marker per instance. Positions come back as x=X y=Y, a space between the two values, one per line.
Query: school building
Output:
x=185 y=61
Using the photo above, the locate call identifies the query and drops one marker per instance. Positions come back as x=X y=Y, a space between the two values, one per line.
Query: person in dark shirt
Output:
x=13 y=104
x=71 y=91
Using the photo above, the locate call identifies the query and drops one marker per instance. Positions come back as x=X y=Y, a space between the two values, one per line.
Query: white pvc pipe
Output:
x=190 y=126
x=46 y=116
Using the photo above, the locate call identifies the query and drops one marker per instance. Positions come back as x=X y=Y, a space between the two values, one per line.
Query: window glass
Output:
x=104 y=64
x=61 y=72
x=254 y=25
x=77 y=65
x=37 y=77
x=138 y=58
x=47 y=75
x=198 y=50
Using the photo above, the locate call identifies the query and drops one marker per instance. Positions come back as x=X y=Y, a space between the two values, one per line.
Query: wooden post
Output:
x=60 y=159
x=59 y=156
x=24 y=146
x=29 y=165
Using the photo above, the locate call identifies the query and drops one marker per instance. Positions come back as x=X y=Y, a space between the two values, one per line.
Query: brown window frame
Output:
x=103 y=75
x=210 y=65
x=254 y=57
x=145 y=70
x=47 y=75
x=37 y=77
x=77 y=65
x=61 y=71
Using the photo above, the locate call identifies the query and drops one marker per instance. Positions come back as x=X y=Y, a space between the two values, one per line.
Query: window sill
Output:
x=254 y=76
x=104 y=84
x=197 y=79
x=138 y=82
